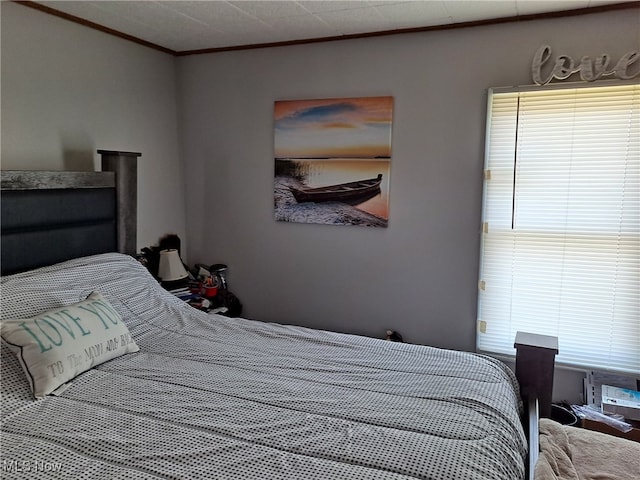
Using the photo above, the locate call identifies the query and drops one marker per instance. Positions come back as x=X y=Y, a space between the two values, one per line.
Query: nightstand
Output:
x=633 y=434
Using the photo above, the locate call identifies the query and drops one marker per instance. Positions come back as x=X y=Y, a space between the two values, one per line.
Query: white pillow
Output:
x=56 y=346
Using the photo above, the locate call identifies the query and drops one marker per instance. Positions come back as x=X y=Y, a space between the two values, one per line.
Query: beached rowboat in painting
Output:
x=338 y=193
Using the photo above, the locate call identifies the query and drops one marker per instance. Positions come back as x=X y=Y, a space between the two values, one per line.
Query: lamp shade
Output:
x=170 y=267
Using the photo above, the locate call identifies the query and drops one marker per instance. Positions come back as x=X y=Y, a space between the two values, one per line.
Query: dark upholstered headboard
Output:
x=49 y=217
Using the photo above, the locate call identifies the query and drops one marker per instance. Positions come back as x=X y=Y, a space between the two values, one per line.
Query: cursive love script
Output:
x=590 y=70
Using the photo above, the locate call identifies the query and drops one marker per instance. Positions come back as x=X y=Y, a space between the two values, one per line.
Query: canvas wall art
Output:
x=332 y=160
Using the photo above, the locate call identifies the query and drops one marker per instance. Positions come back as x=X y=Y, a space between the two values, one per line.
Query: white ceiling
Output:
x=194 y=25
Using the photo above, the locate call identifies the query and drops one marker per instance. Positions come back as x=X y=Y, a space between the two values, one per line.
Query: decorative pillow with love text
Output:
x=56 y=346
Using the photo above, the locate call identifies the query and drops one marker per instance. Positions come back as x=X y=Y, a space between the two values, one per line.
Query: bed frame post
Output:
x=533 y=435
x=535 y=364
x=124 y=164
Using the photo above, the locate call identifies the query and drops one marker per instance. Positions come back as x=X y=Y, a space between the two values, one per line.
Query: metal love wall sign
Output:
x=590 y=69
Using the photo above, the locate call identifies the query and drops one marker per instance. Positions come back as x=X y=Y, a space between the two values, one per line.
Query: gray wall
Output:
x=68 y=90
x=419 y=275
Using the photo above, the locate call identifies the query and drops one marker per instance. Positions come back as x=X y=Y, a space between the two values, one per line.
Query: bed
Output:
x=206 y=396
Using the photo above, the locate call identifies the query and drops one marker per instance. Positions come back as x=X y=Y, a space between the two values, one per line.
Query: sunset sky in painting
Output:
x=334 y=128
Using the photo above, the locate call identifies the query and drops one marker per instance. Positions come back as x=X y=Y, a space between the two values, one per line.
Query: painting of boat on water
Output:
x=332 y=160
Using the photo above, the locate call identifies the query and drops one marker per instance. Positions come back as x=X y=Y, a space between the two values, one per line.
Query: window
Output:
x=561 y=223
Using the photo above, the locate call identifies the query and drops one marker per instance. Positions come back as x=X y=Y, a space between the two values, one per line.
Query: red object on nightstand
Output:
x=210 y=291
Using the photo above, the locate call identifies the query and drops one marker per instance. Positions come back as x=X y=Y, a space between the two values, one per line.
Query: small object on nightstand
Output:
x=171 y=270
x=201 y=304
x=621 y=401
x=229 y=301
x=393 y=336
x=633 y=434
x=219 y=310
x=219 y=270
x=210 y=287
x=214 y=287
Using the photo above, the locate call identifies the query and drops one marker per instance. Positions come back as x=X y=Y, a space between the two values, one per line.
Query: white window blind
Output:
x=561 y=223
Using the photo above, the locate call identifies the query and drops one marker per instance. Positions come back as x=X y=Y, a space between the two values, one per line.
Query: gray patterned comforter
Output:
x=217 y=398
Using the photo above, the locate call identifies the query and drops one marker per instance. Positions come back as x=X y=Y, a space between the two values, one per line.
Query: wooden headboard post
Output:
x=124 y=164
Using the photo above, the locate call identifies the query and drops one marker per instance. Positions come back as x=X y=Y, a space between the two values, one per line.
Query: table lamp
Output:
x=170 y=267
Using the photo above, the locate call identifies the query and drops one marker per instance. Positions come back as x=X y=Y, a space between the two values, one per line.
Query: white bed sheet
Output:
x=214 y=397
